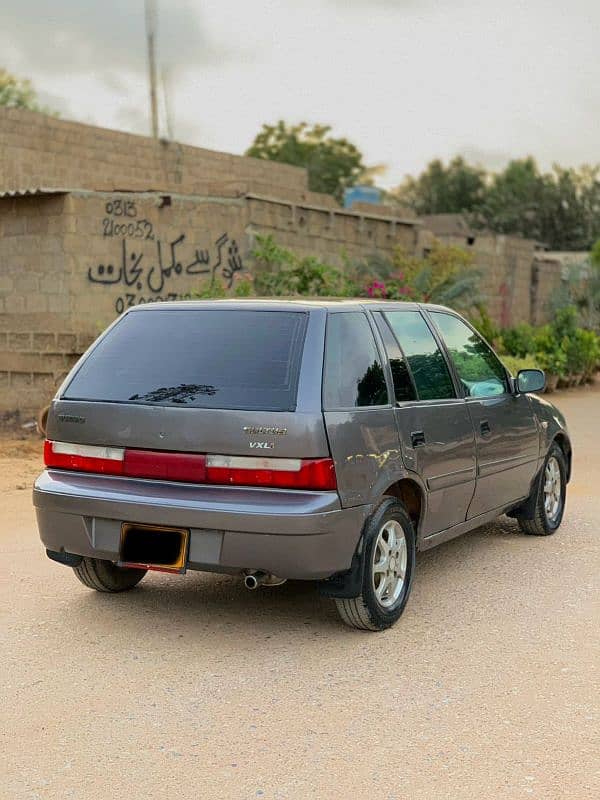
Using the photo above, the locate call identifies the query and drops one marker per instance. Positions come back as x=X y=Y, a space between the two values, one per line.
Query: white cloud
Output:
x=88 y=36
x=406 y=80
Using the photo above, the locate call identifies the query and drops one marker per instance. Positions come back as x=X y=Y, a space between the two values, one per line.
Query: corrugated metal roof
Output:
x=32 y=190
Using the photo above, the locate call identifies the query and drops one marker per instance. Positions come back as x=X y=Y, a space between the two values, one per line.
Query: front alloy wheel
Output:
x=552 y=490
x=551 y=495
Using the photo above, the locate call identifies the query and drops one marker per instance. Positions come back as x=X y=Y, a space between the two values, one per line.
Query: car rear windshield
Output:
x=198 y=358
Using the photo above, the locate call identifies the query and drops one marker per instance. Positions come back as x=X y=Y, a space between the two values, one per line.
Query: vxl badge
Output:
x=269 y=430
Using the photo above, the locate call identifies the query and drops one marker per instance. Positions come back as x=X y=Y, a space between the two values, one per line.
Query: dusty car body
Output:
x=317 y=440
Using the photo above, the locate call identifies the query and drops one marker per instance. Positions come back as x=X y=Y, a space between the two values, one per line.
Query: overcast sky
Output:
x=406 y=80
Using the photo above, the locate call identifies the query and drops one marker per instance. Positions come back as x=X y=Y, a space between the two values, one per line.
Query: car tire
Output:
x=388 y=564
x=551 y=494
x=104 y=576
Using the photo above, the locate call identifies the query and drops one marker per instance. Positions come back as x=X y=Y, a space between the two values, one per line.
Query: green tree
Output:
x=332 y=164
x=17 y=92
x=514 y=200
x=283 y=272
x=595 y=255
x=560 y=208
x=442 y=189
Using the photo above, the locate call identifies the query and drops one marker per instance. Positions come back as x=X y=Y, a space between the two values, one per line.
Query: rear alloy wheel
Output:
x=550 y=502
x=388 y=562
x=104 y=576
x=390 y=559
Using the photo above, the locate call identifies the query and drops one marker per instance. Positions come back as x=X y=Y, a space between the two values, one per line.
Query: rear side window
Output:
x=197 y=358
x=427 y=364
x=353 y=372
x=403 y=387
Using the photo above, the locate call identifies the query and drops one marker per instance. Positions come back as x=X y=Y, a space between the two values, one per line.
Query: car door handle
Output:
x=417 y=438
x=484 y=427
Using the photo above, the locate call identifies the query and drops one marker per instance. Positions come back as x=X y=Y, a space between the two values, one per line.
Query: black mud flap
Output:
x=68 y=559
x=527 y=509
x=345 y=584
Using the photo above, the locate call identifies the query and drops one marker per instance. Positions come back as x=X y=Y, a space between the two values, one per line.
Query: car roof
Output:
x=288 y=304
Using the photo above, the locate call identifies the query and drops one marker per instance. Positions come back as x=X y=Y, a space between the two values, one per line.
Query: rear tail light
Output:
x=278 y=473
x=282 y=473
x=84 y=458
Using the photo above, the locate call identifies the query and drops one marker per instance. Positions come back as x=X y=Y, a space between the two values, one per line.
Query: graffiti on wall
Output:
x=146 y=264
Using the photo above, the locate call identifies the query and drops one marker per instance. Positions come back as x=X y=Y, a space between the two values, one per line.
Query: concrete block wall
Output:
x=32 y=265
x=126 y=219
x=506 y=265
x=506 y=277
x=129 y=249
x=41 y=151
x=546 y=279
x=334 y=235
x=70 y=263
x=37 y=341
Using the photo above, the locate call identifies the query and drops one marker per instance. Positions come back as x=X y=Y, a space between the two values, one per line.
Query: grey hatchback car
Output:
x=325 y=441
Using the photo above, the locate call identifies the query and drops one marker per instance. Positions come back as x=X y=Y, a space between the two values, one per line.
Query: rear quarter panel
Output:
x=366 y=450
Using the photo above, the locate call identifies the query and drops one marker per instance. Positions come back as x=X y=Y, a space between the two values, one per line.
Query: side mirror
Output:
x=530 y=380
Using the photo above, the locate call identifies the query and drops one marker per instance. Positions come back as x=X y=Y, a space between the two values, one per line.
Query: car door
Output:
x=506 y=430
x=434 y=426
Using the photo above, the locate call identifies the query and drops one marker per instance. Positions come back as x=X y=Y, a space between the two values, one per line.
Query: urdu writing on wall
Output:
x=146 y=265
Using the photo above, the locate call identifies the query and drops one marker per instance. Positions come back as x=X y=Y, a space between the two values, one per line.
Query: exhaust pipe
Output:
x=255 y=579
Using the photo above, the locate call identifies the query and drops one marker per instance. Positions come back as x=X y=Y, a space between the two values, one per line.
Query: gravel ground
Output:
x=194 y=688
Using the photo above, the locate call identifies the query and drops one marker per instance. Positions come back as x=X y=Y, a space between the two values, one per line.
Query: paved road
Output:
x=195 y=688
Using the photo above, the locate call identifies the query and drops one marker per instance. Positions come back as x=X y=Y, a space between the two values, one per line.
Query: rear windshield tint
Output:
x=221 y=358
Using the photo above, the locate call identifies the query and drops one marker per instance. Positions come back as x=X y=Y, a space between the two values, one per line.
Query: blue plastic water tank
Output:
x=361 y=194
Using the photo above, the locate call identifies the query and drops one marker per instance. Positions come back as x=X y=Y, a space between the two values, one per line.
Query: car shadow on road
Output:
x=200 y=605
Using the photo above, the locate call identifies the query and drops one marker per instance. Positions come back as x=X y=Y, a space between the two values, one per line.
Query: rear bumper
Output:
x=293 y=534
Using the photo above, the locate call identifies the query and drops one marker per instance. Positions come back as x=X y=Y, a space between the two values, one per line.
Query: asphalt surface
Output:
x=193 y=687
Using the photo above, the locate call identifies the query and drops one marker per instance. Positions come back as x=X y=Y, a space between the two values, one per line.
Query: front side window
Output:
x=426 y=361
x=479 y=370
x=353 y=372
